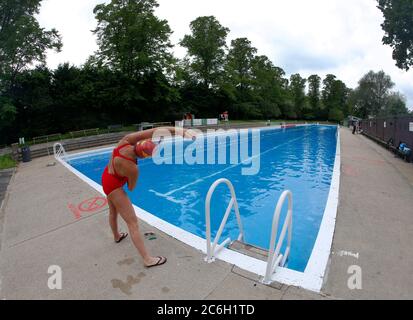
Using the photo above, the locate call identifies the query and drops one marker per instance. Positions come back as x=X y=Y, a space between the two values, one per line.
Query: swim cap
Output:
x=145 y=148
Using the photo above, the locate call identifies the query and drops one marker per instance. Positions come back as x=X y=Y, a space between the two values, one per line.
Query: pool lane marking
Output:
x=168 y=194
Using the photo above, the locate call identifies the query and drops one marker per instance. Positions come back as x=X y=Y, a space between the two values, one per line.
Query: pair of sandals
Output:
x=161 y=260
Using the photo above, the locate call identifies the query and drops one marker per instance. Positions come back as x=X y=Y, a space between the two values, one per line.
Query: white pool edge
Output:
x=313 y=276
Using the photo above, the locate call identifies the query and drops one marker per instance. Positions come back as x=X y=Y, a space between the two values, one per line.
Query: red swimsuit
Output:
x=111 y=182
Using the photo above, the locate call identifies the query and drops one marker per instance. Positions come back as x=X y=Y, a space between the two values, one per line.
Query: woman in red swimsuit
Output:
x=122 y=169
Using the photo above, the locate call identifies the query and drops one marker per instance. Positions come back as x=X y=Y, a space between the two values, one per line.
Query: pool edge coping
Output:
x=313 y=276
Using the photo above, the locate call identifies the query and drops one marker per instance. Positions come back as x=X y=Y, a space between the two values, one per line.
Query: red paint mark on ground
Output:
x=75 y=211
x=89 y=206
x=92 y=205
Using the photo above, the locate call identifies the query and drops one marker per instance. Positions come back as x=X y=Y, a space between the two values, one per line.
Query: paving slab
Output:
x=236 y=287
x=374 y=228
x=94 y=267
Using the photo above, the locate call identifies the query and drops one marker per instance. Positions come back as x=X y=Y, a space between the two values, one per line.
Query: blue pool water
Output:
x=299 y=159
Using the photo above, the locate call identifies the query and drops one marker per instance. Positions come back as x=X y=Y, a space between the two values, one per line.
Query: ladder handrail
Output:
x=276 y=259
x=58 y=150
x=212 y=249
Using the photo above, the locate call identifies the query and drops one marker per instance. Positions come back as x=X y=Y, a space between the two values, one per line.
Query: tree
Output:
x=132 y=39
x=314 y=95
x=31 y=94
x=340 y=96
x=335 y=115
x=267 y=87
x=398 y=26
x=297 y=89
x=22 y=41
x=327 y=91
x=372 y=93
x=395 y=105
x=206 y=50
x=238 y=66
x=7 y=114
x=335 y=96
x=237 y=80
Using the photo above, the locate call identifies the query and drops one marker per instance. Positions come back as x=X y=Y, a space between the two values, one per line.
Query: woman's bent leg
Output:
x=113 y=220
x=124 y=207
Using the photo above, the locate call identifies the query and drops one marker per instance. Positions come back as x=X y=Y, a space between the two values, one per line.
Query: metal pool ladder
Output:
x=275 y=258
x=214 y=248
x=58 y=150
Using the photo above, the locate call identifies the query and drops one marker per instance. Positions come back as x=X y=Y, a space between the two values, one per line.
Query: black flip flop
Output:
x=123 y=235
x=159 y=263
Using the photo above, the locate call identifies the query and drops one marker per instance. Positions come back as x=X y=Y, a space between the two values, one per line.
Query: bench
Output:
x=396 y=150
x=147 y=125
x=407 y=156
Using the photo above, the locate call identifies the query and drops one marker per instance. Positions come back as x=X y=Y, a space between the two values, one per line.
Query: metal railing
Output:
x=214 y=248
x=275 y=258
x=58 y=150
x=47 y=139
x=84 y=133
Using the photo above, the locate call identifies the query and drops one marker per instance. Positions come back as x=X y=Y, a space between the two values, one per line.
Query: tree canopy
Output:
x=206 y=49
x=374 y=96
x=134 y=77
x=398 y=26
x=131 y=39
x=22 y=43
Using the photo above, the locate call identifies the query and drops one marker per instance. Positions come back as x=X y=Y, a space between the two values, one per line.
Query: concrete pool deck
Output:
x=374 y=231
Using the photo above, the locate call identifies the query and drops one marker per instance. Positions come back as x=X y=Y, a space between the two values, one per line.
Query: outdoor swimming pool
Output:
x=299 y=159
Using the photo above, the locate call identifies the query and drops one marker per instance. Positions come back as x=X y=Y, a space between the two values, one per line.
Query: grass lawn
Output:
x=6 y=162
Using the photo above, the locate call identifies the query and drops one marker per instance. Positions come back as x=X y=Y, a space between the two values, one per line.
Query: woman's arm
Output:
x=134 y=138
x=132 y=177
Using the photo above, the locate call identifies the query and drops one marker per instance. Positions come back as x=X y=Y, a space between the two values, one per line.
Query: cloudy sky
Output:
x=342 y=37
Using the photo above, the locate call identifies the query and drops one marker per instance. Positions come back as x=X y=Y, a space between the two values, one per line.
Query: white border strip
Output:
x=310 y=279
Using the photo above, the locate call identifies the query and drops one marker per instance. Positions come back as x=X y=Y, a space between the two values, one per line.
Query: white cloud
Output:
x=74 y=20
x=342 y=37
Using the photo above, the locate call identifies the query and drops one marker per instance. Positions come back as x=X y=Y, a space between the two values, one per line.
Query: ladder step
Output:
x=249 y=250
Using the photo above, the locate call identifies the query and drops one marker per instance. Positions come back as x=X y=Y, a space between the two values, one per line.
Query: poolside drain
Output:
x=249 y=250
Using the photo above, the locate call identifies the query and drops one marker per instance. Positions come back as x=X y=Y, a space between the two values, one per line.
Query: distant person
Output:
x=354 y=127
x=122 y=169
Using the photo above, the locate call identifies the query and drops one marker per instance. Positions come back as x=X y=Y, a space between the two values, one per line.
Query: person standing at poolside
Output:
x=355 y=125
x=121 y=170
